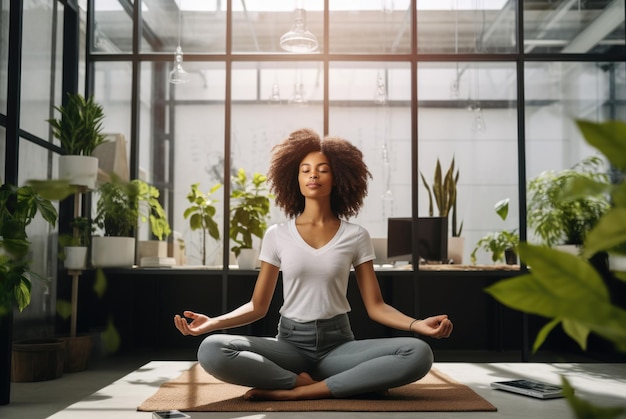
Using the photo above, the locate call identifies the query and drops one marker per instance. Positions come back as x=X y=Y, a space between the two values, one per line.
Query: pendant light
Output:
x=299 y=39
x=178 y=74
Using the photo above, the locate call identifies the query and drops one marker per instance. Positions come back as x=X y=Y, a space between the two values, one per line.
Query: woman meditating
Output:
x=319 y=184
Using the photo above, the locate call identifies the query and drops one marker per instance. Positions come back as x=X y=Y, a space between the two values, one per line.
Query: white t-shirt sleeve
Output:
x=365 y=248
x=269 y=248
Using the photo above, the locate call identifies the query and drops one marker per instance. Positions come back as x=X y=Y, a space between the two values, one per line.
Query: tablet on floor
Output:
x=530 y=388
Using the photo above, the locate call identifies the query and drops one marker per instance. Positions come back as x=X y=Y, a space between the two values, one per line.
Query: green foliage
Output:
x=249 y=209
x=567 y=288
x=80 y=126
x=148 y=194
x=18 y=207
x=117 y=208
x=53 y=189
x=81 y=235
x=583 y=409
x=456 y=228
x=444 y=192
x=499 y=242
x=82 y=231
x=565 y=219
x=201 y=212
x=65 y=308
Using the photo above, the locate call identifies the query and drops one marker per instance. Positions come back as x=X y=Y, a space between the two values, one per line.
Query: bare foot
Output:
x=304 y=379
x=305 y=388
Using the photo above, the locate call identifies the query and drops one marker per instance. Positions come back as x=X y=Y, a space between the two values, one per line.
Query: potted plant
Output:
x=200 y=214
x=500 y=244
x=74 y=252
x=444 y=192
x=151 y=211
x=557 y=221
x=79 y=129
x=18 y=208
x=74 y=246
x=249 y=213
x=116 y=215
x=568 y=289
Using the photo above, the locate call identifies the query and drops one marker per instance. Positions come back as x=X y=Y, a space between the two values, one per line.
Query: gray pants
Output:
x=326 y=349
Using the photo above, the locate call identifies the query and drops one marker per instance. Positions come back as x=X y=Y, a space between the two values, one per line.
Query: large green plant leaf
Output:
x=566 y=287
x=22 y=294
x=608 y=233
x=100 y=285
x=502 y=208
x=608 y=137
x=585 y=410
x=64 y=309
x=544 y=332
x=577 y=331
x=53 y=189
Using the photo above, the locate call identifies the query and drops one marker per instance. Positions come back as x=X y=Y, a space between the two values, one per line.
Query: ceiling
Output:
x=565 y=26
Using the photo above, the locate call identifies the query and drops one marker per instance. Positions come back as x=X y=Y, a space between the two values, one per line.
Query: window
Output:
x=472 y=85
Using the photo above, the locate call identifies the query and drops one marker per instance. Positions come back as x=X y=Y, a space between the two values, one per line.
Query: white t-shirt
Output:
x=315 y=281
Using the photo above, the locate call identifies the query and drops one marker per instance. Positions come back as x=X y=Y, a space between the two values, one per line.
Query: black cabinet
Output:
x=141 y=304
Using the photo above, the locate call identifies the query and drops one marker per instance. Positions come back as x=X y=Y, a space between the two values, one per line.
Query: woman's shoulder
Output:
x=279 y=227
x=354 y=227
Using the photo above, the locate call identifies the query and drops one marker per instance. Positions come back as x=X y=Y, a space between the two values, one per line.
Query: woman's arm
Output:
x=379 y=311
x=250 y=312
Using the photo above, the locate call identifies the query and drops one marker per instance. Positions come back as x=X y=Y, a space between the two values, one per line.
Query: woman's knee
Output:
x=421 y=358
x=212 y=353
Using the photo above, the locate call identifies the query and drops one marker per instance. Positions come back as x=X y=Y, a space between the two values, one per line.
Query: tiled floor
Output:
x=114 y=387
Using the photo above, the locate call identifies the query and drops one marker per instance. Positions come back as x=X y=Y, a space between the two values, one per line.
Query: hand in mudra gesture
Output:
x=435 y=327
x=198 y=325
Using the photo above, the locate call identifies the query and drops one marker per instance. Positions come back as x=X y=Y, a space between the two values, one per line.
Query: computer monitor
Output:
x=432 y=238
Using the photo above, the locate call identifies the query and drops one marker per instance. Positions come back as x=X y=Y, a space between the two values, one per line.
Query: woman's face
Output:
x=315 y=176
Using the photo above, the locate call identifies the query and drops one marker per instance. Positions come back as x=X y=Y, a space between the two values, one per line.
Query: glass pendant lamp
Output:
x=178 y=74
x=299 y=39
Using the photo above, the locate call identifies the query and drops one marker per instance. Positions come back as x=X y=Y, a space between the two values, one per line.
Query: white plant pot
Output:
x=75 y=257
x=572 y=249
x=617 y=263
x=79 y=170
x=247 y=259
x=110 y=252
x=151 y=248
x=456 y=247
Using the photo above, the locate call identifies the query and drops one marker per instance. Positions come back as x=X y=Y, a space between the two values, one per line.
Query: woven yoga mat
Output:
x=197 y=391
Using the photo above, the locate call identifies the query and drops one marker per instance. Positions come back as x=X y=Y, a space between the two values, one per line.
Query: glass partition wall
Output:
x=494 y=85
